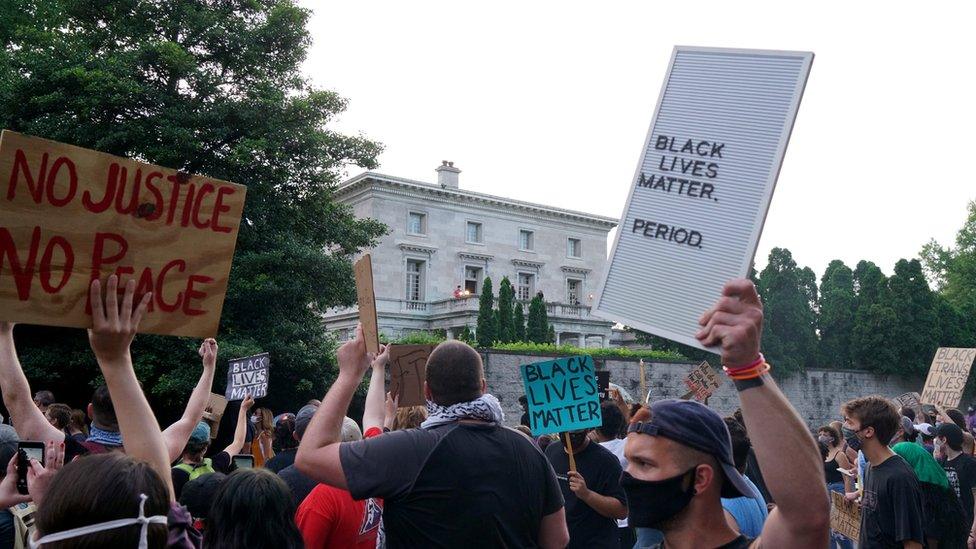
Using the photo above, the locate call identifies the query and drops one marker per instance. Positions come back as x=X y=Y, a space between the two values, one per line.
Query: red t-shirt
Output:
x=329 y=517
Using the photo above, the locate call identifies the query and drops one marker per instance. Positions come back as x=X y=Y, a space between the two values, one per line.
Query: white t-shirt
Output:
x=616 y=446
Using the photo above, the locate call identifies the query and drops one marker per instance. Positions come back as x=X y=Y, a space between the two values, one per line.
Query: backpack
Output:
x=23 y=514
x=196 y=471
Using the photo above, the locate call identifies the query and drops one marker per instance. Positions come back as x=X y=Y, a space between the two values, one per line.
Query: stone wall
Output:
x=816 y=394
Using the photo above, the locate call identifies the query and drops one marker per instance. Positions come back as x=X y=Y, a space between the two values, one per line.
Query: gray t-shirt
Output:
x=455 y=485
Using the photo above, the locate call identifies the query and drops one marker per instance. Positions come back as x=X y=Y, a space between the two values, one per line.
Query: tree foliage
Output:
x=213 y=88
x=789 y=337
x=518 y=321
x=486 y=330
x=506 y=297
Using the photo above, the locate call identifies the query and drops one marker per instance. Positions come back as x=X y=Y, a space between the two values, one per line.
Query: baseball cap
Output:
x=695 y=425
x=951 y=432
x=908 y=427
x=303 y=418
x=8 y=445
x=350 y=430
x=201 y=433
x=926 y=429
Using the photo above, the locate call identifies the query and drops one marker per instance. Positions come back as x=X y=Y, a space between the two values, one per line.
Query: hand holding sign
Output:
x=114 y=325
x=352 y=357
x=248 y=376
x=562 y=395
x=735 y=323
x=208 y=352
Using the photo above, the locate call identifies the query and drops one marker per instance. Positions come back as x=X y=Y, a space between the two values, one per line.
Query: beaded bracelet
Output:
x=754 y=364
x=748 y=373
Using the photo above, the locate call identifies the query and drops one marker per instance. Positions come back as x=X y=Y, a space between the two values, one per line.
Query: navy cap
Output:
x=696 y=426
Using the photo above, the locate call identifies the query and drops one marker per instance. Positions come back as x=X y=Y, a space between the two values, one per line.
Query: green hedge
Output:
x=433 y=338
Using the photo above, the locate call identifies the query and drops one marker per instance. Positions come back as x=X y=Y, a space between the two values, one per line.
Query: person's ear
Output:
x=869 y=435
x=427 y=394
x=91 y=411
x=484 y=386
x=704 y=477
x=294 y=435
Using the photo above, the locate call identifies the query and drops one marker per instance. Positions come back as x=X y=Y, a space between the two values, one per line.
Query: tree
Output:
x=836 y=320
x=486 y=329
x=538 y=322
x=551 y=336
x=518 y=320
x=789 y=339
x=874 y=319
x=466 y=336
x=212 y=88
x=953 y=271
x=914 y=337
x=506 y=297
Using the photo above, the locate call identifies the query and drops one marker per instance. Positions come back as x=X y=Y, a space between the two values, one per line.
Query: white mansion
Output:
x=443 y=242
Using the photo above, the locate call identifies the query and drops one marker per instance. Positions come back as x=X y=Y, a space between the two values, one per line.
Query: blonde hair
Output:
x=409 y=417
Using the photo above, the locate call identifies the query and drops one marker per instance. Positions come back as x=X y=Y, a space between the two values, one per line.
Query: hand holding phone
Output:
x=26 y=451
x=243 y=461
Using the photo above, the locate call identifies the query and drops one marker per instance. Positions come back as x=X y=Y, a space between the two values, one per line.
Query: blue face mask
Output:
x=850 y=436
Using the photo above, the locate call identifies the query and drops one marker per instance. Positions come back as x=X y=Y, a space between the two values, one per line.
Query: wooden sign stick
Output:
x=643 y=382
x=569 y=450
x=363 y=270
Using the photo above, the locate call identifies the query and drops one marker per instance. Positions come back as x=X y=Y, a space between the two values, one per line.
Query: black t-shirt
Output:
x=891 y=507
x=299 y=484
x=962 y=476
x=281 y=460
x=454 y=485
x=741 y=542
x=221 y=463
x=601 y=471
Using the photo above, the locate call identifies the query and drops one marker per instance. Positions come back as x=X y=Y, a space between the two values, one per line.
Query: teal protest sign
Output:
x=562 y=395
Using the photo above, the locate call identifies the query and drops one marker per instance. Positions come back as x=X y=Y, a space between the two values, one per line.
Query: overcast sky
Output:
x=550 y=102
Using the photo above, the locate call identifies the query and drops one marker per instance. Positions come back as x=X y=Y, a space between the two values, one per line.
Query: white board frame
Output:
x=766 y=197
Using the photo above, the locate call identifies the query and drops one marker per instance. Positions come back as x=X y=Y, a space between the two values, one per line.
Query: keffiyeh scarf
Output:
x=486 y=408
x=105 y=438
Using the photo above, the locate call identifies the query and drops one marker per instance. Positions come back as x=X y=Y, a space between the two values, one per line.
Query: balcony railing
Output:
x=461 y=305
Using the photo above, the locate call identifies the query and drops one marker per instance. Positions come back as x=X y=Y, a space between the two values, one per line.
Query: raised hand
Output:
x=735 y=323
x=247 y=402
x=352 y=356
x=208 y=352
x=9 y=496
x=114 y=325
x=39 y=476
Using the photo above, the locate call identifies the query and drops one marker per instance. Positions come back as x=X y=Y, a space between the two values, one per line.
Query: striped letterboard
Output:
x=703 y=186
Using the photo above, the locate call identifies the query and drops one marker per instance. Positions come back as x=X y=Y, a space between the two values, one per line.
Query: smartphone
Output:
x=243 y=461
x=26 y=451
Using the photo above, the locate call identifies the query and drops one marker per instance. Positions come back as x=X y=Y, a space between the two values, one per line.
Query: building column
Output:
x=582 y=340
x=449 y=333
x=558 y=333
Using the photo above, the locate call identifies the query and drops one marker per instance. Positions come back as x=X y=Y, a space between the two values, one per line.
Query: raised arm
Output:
x=318 y=453
x=240 y=431
x=374 y=413
x=178 y=433
x=802 y=514
x=25 y=416
x=113 y=329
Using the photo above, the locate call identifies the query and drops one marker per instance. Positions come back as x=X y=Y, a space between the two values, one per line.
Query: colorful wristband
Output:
x=754 y=364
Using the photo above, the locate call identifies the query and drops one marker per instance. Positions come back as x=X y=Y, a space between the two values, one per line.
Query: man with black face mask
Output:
x=679 y=453
x=594 y=498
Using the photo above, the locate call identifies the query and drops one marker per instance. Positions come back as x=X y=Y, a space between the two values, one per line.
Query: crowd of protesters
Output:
x=672 y=473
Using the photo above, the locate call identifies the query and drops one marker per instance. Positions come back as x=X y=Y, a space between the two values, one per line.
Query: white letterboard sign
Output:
x=702 y=189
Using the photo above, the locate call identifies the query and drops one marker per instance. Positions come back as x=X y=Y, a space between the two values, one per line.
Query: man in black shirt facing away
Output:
x=461 y=480
x=679 y=455
x=594 y=498
x=891 y=506
x=960 y=468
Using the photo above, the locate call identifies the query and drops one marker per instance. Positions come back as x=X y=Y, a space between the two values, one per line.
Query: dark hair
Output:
x=79 y=421
x=740 y=442
x=875 y=411
x=245 y=496
x=100 y=488
x=454 y=373
x=59 y=415
x=823 y=450
x=194 y=448
x=198 y=494
x=284 y=434
x=908 y=412
x=44 y=398
x=103 y=410
x=957 y=418
x=832 y=432
x=613 y=420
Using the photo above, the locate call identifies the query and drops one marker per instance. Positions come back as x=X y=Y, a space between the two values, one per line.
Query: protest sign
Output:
x=408 y=371
x=562 y=395
x=947 y=376
x=214 y=411
x=702 y=381
x=363 y=270
x=643 y=382
x=603 y=384
x=702 y=188
x=845 y=516
x=248 y=376
x=908 y=400
x=69 y=215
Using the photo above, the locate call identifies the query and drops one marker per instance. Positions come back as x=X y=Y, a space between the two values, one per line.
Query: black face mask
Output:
x=651 y=503
x=850 y=436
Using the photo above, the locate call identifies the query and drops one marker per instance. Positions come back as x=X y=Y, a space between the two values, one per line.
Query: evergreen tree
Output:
x=915 y=334
x=536 y=330
x=486 y=330
x=466 y=336
x=838 y=304
x=953 y=271
x=874 y=320
x=506 y=297
x=789 y=338
x=551 y=335
x=518 y=320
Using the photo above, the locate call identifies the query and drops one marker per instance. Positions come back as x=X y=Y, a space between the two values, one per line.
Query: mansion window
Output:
x=574 y=248
x=574 y=290
x=474 y=233
x=417 y=223
x=415 y=280
x=526 y=240
x=526 y=286
x=472 y=279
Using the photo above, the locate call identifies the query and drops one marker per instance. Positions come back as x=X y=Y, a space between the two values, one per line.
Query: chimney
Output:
x=447 y=175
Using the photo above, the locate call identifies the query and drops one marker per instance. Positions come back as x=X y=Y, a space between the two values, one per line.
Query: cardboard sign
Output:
x=947 y=376
x=701 y=191
x=603 y=384
x=909 y=400
x=845 y=516
x=363 y=270
x=562 y=395
x=408 y=371
x=645 y=395
x=702 y=381
x=69 y=215
x=216 y=405
x=248 y=376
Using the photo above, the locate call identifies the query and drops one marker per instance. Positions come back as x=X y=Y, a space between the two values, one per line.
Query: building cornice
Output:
x=527 y=263
x=575 y=270
x=420 y=248
x=428 y=191
x=475 y=257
